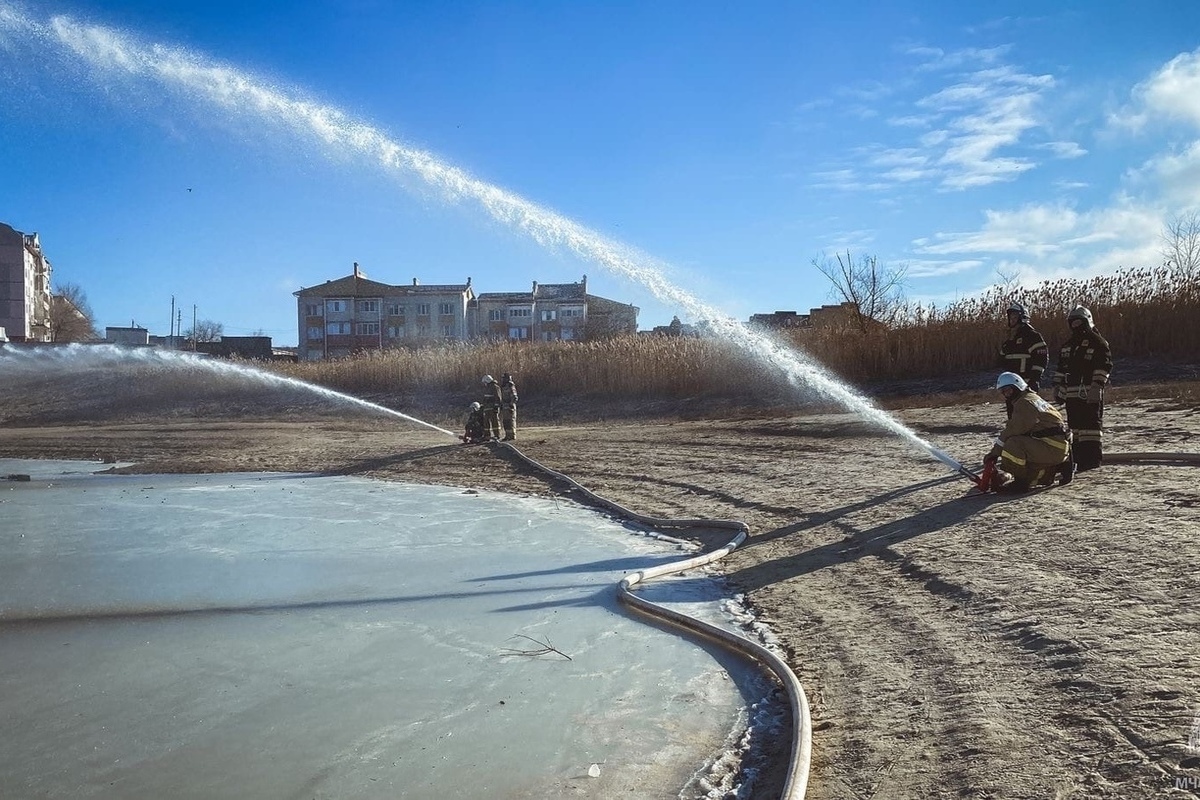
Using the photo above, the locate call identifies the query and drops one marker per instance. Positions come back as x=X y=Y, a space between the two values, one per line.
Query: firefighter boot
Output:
x=1001 y=480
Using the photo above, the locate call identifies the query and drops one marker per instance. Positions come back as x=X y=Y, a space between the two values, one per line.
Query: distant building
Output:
x=253 y=347
x=354 y=314
x=551 y=312
x=24 y=286
x=676 y=328
x=132 y=336
x=829 y=316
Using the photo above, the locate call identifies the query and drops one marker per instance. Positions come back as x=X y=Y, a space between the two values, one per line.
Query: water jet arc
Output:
x=228 y=90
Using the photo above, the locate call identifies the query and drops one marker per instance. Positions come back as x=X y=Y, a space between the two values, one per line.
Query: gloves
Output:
x=1034 y=385
x=990 y=458
x=1094 y=393
x=1060 y=393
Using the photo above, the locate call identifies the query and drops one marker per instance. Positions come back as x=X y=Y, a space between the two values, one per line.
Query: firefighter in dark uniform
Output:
x=1032 y=450
x=1025 y=351
x=1084 y=364
x=474 y=425
x=491 y=406
x=508 y=407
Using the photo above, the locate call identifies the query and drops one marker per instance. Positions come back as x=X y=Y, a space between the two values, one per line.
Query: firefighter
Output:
x=491 y=406
x=1033 y=449
x=475 y=425
x=1024 y=351
x=1082 y=372
x=508 y=407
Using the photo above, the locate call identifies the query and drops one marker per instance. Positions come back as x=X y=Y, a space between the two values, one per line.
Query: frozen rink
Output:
x=291 y=636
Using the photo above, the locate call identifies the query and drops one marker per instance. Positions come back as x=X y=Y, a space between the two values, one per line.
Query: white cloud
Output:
x=1047 y=241
x=1064 y=149
x=1172 y=93
x=1175 y=175
x=964 y=131
x=939 y=268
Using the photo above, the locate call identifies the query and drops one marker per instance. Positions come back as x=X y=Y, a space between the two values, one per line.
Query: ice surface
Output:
x=287 y=635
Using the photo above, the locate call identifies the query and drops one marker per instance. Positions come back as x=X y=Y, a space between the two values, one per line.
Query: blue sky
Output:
x=731 y=144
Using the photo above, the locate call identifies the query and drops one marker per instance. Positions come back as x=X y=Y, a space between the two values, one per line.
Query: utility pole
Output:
x=171 y=325
x=178 y=327
x=193 y=327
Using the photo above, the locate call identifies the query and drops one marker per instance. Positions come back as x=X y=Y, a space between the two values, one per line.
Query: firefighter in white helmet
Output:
x=1084 y=365
x=475 y=425
x=1032 y=449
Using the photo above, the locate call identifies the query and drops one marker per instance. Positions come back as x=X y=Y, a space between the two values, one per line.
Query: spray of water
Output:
x=106 y=52
x=18 y=361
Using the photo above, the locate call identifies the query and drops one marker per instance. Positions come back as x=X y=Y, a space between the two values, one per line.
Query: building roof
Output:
x=541 y=291
x=358 y=286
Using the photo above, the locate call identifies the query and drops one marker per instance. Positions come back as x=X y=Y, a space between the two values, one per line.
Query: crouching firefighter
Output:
x=1033 y=449
x=476 y=426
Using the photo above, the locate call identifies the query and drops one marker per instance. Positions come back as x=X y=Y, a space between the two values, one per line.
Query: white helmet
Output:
x=1011 y=379
x=1079 y=312
x=488 y=379
x=475 y=406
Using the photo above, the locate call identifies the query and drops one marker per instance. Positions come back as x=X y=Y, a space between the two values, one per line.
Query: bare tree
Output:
x=71 y=317
x=1181 y=244
x=1008 y=279
x=876 y=291
x=205 y=331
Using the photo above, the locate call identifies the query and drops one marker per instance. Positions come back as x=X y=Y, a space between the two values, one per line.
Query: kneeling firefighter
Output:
x=1033 y=448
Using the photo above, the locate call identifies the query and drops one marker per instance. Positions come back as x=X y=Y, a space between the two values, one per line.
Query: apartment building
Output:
x=354 y=314
x=551 y=312
x=24 y=287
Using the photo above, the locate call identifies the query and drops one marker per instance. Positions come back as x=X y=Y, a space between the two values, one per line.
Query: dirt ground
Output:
x=1036 y=646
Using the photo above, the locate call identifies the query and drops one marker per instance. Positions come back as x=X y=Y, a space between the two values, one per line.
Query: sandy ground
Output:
x=1038 y=646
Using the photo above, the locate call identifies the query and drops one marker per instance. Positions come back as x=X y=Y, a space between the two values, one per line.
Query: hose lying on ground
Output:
x=796 y=783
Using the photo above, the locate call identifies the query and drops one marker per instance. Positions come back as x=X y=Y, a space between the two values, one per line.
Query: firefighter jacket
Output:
x=1025 y=352
x=1084 y=359
x=475 y=425
x=508 y=395
x=491 y=396
x=1035 y=433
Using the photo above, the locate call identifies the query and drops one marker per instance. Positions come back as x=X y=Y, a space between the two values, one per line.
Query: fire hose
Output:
x=796 y=783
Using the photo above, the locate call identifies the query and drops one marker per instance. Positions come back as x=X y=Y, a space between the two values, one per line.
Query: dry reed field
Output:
x=1146 y=314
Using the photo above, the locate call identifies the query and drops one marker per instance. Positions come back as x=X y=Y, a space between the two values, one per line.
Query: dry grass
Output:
x=1145 y=314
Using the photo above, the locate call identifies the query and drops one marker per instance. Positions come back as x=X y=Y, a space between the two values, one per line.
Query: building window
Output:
x=395 y=309
x=368 y=329
x=548 y=315
x=314 y=333
x=518 y=333
x=548 y=336
x=422 y=309
x=445 y=308
x=335 y=306
x=518 y=313
x=395 y=331
x=312 y=309
x=496 y=315
x=337 y=328
x=448 y=331
x=570 y=312
x=568 y=334
x=368 y=306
